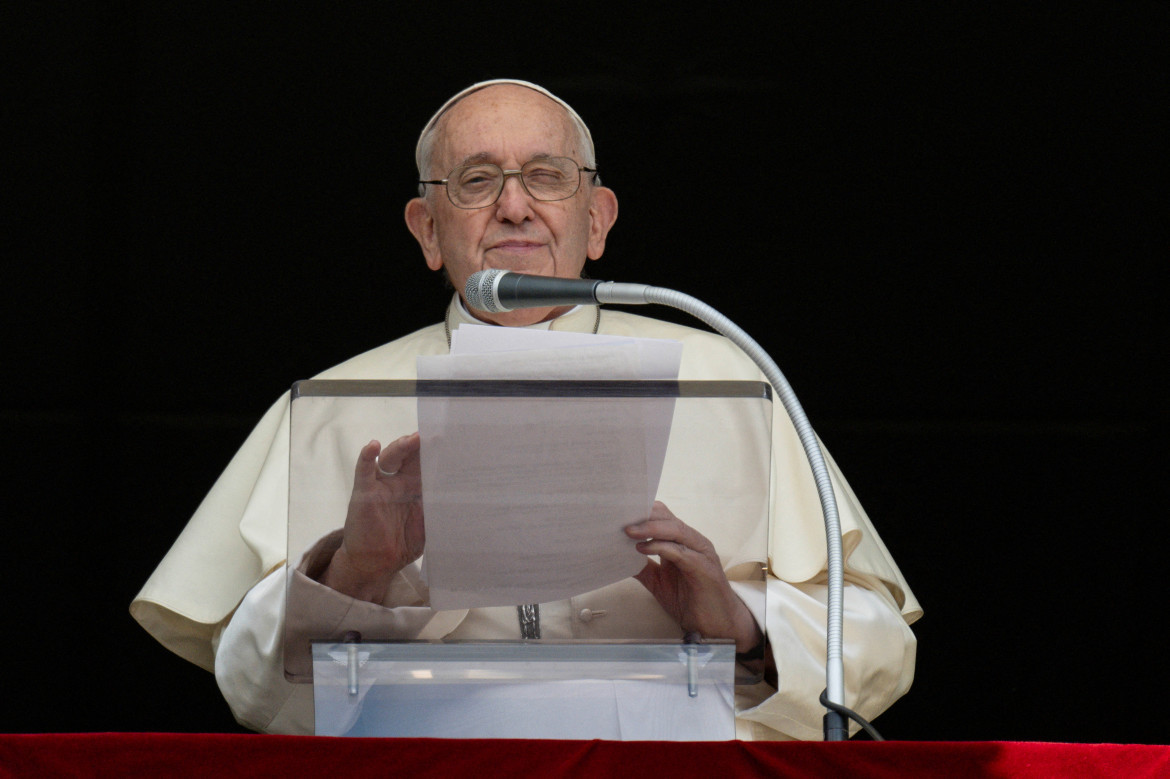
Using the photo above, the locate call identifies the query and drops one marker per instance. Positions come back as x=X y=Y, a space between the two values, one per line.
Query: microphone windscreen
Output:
x=480 y=290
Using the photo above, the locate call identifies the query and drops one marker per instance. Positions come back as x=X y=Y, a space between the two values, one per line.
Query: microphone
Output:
x=496 y=291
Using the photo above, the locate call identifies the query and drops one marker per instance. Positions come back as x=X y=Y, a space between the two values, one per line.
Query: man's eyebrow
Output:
x=483 y=156
x=473 y=159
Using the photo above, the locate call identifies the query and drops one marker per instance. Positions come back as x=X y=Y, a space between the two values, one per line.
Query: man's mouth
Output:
x=516 y=246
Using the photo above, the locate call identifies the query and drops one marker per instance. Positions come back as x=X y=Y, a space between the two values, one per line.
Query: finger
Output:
x=688 y=560
x=658 y=513
x=672 y=529
x=364 y=469
x=661 y=514
x=400 y=453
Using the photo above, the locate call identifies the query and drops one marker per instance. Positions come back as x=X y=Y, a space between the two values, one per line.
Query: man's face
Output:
x=509 y=125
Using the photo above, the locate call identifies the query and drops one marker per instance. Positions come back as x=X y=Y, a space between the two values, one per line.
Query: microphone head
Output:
x=480 y=292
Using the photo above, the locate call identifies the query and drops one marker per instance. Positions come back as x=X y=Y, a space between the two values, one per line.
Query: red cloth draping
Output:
x=204 y=756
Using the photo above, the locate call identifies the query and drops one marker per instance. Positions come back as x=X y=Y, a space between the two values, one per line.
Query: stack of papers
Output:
x=526 y=496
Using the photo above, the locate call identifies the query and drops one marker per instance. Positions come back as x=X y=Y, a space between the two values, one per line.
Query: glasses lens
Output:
x=554 y=178
x=474 y=185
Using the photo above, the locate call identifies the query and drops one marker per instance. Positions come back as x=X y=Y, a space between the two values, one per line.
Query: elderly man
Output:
x=510 y=182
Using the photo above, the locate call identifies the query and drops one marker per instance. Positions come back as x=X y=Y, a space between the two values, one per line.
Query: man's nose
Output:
x=514 y=203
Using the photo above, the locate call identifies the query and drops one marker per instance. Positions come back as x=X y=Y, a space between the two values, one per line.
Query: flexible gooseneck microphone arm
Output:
x=494 y=292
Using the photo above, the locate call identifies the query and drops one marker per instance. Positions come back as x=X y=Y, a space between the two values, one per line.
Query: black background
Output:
x=941 y=219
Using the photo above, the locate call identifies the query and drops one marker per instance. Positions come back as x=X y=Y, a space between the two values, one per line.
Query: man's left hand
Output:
x=689 y=581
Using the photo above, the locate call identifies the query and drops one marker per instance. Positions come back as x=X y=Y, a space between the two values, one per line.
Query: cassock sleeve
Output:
x=878 y=653
x=235 y=538
x=256 y=652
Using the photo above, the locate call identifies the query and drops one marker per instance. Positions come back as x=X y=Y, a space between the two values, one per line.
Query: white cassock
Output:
x=218 y=597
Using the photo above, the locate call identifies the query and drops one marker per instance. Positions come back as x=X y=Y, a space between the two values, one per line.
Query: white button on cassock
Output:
x=587 y=615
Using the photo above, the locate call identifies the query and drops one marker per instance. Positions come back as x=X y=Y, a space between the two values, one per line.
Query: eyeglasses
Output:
x=546 y=178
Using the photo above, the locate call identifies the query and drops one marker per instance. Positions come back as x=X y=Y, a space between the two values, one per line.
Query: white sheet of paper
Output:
x=526 y=498
x=610 y=356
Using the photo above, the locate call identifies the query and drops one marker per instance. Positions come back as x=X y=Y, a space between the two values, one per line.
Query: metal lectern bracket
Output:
x=694 y=660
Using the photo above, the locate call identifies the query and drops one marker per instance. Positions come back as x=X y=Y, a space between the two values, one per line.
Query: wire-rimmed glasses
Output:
x=544 y=178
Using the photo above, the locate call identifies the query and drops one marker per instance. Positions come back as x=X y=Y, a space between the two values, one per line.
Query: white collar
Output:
x=578 y=319
x=463 y=316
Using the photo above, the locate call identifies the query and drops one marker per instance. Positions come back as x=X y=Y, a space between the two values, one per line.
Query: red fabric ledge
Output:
x=197 y=755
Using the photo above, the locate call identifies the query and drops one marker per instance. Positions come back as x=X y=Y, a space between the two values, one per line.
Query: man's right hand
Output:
x=384 y=529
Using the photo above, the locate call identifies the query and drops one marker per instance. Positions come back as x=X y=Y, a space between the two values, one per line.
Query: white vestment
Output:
x=217 y=598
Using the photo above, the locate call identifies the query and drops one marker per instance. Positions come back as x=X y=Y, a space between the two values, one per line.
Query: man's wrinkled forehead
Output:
x=483 y=126
x=573 y=117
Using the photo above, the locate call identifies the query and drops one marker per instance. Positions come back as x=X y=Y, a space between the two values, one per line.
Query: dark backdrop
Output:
x=941 y=219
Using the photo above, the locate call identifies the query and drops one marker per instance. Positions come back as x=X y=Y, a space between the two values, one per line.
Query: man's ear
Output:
x=421 y=224
x=603 y=212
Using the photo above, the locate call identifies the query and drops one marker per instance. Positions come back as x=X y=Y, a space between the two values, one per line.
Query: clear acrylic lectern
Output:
x=512 y=474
